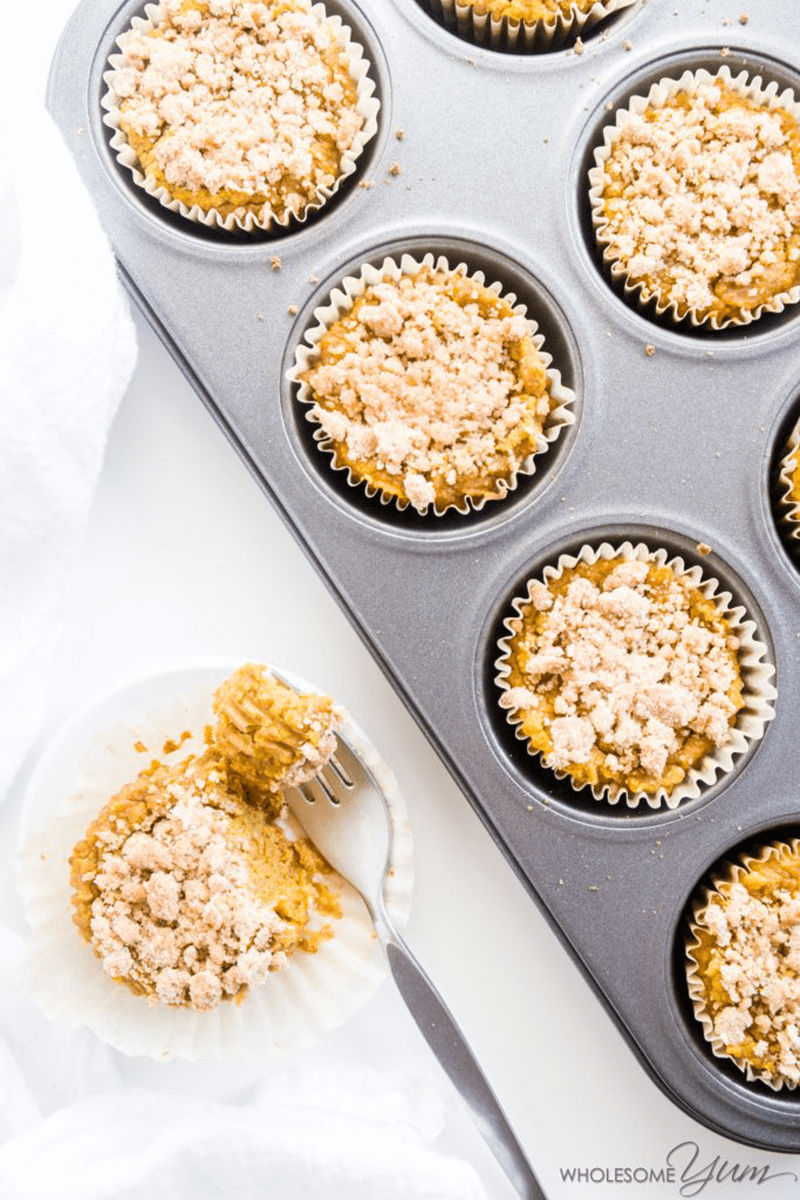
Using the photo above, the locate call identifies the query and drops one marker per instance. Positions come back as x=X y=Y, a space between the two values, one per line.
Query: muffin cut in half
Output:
x=190 y=892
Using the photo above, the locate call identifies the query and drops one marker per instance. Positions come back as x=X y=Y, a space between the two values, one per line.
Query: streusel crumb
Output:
x=702 y=202
x=431 y=389
x=622 y=674
x=238 y=107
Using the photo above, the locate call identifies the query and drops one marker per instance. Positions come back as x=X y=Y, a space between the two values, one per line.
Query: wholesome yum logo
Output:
x=684 y=1167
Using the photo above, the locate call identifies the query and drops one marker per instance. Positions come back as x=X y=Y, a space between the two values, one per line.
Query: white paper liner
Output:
x=694 y=980
x=341 y=299
x=755 y=670
x=367 y=106
x=788 y=506
x=501 y=33
x=751 y=89
x=295 y=1007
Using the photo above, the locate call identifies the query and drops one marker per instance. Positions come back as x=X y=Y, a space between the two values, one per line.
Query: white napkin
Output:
x=67 y=350
x=353 y=1136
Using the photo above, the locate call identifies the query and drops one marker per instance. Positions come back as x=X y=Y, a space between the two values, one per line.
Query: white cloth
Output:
x=349 y=1136
x=67 y=349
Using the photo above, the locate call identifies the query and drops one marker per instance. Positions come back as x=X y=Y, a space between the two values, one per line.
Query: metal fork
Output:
x=346 y=815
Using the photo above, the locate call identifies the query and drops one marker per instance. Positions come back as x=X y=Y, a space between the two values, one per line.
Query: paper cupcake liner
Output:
x=502 y=33
x=367 y=106
x=339 y=302
x=788 y=506
x=751 y=89
x=756 y=673
x=693 y=978
x=295 y=1007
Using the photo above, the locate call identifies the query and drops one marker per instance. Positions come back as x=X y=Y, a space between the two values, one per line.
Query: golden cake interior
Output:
x=271 y=735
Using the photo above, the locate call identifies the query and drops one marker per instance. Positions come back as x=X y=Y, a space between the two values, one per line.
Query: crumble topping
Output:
x=431 y=388
x=272 y=736
x=749 y=963
x=231 y=105
x=702 y=198
x=622 y=673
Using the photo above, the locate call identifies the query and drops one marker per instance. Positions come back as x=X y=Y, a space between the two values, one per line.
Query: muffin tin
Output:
x=676 y=443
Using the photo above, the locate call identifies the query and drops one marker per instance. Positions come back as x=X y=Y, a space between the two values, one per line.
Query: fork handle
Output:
x=439 y=1028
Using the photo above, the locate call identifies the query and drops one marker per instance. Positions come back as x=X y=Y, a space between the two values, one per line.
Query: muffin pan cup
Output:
x=673 y=445
x=721 y=886
x=501 y=33
x=755 y=672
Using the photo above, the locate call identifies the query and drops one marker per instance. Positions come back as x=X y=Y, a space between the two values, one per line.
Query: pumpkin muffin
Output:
x=744 y=965
x=788 y=488
x=272 y=736
x=431 y=390
x=189 y=893
x=622 y=674
x=696 y=198
x=237 y=109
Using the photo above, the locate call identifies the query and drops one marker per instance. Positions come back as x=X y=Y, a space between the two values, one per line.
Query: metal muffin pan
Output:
x=675 y=448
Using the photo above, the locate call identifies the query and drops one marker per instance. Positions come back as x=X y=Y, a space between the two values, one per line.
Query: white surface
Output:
x=184 y=556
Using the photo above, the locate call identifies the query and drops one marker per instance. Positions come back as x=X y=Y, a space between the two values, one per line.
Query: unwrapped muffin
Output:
x=190 y=893
x=192 y=883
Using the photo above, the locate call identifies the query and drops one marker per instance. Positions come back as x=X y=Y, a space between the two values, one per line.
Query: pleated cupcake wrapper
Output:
x=751 y=89
x=295 y=1007
x=756 y=673
x=736 y=871
x=341 y=300
x=522 y=37
x=788 y=506
x=367 y=106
